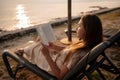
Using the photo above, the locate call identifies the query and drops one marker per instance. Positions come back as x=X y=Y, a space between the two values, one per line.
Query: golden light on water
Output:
x=23 y=20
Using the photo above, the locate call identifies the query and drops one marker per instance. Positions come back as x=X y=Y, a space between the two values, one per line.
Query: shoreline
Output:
x=7 y=35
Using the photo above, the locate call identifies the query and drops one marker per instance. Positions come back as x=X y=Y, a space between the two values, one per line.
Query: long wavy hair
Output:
x=93 y=32
x=93 y=28
x=93 y=35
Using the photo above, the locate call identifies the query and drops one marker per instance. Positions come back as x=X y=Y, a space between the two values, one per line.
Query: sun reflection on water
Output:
x=23 y=20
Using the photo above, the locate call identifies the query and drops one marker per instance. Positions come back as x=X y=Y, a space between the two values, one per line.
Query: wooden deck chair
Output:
x=78 y=72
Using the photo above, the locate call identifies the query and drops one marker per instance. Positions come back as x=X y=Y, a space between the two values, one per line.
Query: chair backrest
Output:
x=91 y=56
x=115 y=38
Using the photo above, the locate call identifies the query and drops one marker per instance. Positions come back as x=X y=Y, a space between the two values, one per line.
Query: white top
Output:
x=35 y=56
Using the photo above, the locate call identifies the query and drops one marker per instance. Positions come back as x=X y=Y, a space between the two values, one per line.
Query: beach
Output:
x=109 y=20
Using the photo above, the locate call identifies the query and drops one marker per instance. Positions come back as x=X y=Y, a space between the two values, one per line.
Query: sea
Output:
x=17 y=14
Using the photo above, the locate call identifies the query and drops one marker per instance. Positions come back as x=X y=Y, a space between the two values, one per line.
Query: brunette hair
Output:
x=93 y=30
x=93 y=34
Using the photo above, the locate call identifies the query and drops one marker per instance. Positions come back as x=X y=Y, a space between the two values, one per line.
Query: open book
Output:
x=46 y=33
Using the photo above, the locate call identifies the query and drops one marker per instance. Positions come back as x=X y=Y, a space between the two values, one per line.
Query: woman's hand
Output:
x=45 y=49
x=51 y=45
x=55 y=47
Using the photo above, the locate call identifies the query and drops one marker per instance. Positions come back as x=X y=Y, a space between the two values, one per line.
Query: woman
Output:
x=89 y=31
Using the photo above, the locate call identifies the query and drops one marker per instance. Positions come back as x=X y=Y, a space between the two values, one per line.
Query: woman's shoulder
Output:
x=81 y=52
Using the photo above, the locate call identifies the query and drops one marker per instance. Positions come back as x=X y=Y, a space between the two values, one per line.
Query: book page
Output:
x=46 y=34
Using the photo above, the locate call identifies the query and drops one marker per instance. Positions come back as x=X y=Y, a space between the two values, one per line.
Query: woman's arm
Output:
x=55 y=47
x=58 y=72
x=51 y=45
